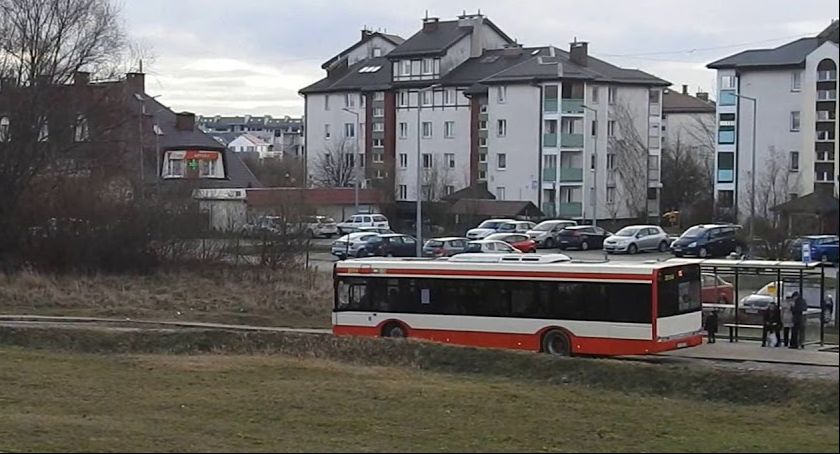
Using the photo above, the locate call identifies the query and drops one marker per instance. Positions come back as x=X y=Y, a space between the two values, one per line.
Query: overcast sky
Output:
x=252 y=56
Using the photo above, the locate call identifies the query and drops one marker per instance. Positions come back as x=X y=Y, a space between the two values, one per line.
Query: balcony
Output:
x=826 y=95
x=825 y=136
x=570 y=210
x=550 y=174
x=571 y=175
x=572 y=106
x=550 y=139
x=825 y=115
x=820 y=177
x=550 y=105
x=653 y=174
x=726 y=176
x=549 y=209
x=571 y=140
x=826 y=76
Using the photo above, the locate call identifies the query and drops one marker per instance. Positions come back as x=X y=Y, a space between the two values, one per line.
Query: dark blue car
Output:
x=709 y=240
x=823 y=248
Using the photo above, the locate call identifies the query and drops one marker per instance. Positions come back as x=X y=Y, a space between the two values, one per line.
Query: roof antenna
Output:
x=141 y=66
x=427 y=15
x=479 y=11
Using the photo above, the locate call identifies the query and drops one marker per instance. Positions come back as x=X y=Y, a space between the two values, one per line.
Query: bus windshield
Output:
x=679 y=291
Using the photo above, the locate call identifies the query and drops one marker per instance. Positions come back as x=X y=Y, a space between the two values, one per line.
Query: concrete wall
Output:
x=317 y=117
x=521 y=144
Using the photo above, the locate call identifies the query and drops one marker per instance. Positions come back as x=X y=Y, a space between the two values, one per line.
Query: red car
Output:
x=715 y=290
x=518 y=240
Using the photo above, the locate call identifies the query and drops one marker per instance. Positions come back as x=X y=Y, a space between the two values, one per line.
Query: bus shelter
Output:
x=741 y=290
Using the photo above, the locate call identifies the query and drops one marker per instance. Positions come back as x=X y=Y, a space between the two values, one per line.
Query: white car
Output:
x=545 y=233
x=635 y=238
x=486 y=228
x=515 y=227
x=490 y=247
x=320 y=226
x=363 y=220
x=352 y=245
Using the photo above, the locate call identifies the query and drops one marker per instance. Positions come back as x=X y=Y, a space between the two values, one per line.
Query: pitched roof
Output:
x=792 y=54
x=396 y=40
x=816 y=202
x=495 y=208
x=676 y=102
x=436 y=41
x=474 y=191
x=352 y=79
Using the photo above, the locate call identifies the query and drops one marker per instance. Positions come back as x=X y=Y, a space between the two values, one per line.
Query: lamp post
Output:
x=594 y=169
x=356 y=133
x=419 y=220
x=752 y=171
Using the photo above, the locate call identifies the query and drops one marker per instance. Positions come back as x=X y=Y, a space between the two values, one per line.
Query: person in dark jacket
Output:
x=798 y=332
x=711 y=326
x=772 y=324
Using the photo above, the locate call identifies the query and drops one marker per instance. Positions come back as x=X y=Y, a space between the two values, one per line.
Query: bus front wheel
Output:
x=393 y=330
x=557 y=343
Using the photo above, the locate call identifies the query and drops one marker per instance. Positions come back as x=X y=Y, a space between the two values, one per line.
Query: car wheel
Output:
x=556 y=342
x=549 y=243
x=632 y=249
x=584 y=246
x=394 y=330
x=703 y=253
x=663 y=246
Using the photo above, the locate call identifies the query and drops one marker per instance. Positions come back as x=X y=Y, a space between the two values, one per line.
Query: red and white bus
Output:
x=527 y=302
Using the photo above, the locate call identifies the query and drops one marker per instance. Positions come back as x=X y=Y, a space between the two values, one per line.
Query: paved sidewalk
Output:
x=753 y=351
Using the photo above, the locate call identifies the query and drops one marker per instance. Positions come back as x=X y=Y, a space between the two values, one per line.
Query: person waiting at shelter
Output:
x=772 y=324
x=787 y=318
x=711 y=326
x=798 y=331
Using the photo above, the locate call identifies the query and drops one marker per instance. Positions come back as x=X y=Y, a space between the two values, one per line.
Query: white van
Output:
x=357 y=221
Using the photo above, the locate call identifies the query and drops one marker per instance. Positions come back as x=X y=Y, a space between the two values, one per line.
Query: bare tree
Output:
x=774 y=185
x=435 y=179
x=630 y=150
x=276 y=172
x=335 y=167
x=687 y=182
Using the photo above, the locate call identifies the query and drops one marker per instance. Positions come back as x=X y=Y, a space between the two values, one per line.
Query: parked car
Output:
x=444 y=247
x=716 y=290
x=491 y=247
x=520 y=241
x=379 y=230
x=320 y=226
x=545 y=233
x=391 y=245
x=487 y=227
x=752 y=306
x=635 y=238
x=823 y=248
x=355 y=222
x=709 y=240
x=515 y=227
x=583 y=237
x=352 y=245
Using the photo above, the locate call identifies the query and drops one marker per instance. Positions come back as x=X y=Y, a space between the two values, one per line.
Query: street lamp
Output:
x=594 y=169
x=356 y=151
x=752 y=172
x=419 y=220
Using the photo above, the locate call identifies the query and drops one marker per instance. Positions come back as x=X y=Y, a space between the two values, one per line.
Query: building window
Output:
x=482 y=141
x=427 y=160
x=653 y=96
x=379 y=174
x=482 y=157
x=404 y=99
x=726 y=167
x=5 y=136
x=403 y=130
x=594 y=131
x=377 y=51
x=327 y=133
x=350 y=100
x=482 y=125
x=794 y=121
x=501 y=93
x=610 y=195
x=501 y=128
x=428 y=97
x=81 y=131
x=175 y=168
x=378 y=157
x=44 y=131
x=611 y=95
x=251 y=148
x=727 y=82
x=405 y=68
x=403 y=160
x=349 y=130
x=595 y=91
x=449 y=96
x=611 y=128
x=449 y=189
x=610 y=161
x=326 y=102
x=449 y=158
x=428 y=66
x=502 y=161
x=378 y=112
x=362 y=159
x=427 y=191
x=349 y=160
x=794 y=161
x=449 y=129
x=378 y=126
x=728 y=98
x=482 y=175
x=500 y=193
x=796 y=81
x=379 y=96
x=482 y=108
x=427 y=129
x=403 y=192
x=726 y=129
x=378 y=143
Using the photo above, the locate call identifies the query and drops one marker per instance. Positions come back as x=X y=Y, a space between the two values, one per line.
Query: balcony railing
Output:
x=821 y=177
x=572 y=106
x=549 y=209
x=550 y=174
x=571 y=175
x=825 y=136
x=550 y=105
x=571 y=209
x=726 y=176
x=825 y=115
x=550 y=139
x=571 y=140
x=826 y=95
x=826 y=76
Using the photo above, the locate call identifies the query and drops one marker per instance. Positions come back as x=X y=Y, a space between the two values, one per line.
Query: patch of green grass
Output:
x=72 y=402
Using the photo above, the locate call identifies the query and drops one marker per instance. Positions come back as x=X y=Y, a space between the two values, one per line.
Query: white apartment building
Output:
x=793 y=89
x=249 y=143
x=470 y=106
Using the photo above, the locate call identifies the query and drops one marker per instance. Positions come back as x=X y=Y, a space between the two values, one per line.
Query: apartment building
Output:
x=793 y=90
x=467 y=104
x=284 y=136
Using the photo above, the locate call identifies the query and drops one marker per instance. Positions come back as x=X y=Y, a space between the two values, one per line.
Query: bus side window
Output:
x=343 y=295
x=359 y=297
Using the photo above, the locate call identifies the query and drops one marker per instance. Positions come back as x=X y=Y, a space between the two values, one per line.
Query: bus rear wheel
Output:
x=556 y=343
x=394 y=330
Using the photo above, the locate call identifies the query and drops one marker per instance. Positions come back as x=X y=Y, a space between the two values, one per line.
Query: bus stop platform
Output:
x=811 y=355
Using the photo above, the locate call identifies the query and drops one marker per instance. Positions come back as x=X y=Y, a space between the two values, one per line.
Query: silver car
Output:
x=636 y=238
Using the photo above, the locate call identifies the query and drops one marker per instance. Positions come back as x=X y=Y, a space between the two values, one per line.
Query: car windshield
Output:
x=628 y=231
x=434 y=243
x=473 y=247
x=545 y=226
x=507 y=227
x=694 y=232
x=489 y=224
